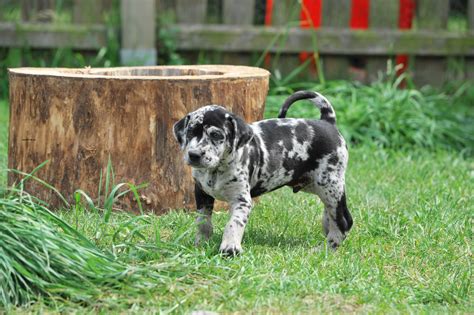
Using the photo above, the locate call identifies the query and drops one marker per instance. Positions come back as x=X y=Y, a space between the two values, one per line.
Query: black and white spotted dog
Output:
x=234 y=161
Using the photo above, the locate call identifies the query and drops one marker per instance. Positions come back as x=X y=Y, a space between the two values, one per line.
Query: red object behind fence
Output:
x=360 y=14
x=311 y=12
x=405 y=20
x=268 y=22
x=268 y=12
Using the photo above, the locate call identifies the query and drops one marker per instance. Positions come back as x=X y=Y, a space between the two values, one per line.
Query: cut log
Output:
x=78 y=118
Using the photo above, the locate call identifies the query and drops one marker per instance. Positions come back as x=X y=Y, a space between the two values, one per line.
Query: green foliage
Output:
x=66 y=57
x=45 y=259
x=390 y=116
x=41 y=256
x=409 y=251
x=167 y=34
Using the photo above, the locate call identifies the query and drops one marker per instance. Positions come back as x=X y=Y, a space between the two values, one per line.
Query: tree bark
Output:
x=78 y=118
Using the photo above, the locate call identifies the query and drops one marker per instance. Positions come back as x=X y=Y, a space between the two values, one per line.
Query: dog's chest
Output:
x=217 y=184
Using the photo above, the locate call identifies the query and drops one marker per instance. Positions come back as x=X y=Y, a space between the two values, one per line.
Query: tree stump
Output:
x=79 y=118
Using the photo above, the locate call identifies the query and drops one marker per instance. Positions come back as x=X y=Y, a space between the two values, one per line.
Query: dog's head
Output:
x=209 y=134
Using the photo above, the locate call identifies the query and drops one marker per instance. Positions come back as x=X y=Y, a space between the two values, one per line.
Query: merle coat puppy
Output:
x=234 y=161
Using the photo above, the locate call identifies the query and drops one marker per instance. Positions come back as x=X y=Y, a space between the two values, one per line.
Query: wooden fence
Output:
x=354 y=38
x=36 y=27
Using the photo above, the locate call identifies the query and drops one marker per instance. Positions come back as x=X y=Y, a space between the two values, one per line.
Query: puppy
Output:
x=234 y=161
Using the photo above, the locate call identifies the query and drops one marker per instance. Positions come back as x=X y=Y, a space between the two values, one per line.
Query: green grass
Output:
x=41 y=255
x=410 y=249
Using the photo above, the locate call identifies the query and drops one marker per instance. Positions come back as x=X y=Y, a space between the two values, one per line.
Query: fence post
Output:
x=282 y=14
x=336 y=14
x=431 y=15
x=191 y=11
x=383 y=15
x=238 y=13
x=138 y=32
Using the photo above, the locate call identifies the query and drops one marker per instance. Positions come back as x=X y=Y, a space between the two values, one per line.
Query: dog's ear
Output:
x=240 y=132
x=179 y=130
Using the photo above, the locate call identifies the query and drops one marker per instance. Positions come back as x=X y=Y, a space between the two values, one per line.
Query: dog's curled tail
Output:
x=327 y=112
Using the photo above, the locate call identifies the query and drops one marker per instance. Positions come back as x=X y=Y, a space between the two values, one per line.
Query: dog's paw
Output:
x=332 y=244
x=230 y=250
x=335 y=239
x=204 y=234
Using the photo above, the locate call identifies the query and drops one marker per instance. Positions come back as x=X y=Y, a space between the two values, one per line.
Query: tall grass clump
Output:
x=389 y=116
x=41 y=255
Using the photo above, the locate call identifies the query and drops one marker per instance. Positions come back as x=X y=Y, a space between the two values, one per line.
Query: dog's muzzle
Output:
x=194 y=158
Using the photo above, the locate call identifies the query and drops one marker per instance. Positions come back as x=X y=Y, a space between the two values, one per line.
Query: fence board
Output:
x=138 y=32
x=330 y=41
x=281 y=11
x=470 y=60
x=88 y=11
x=431 y=15
x=284 y=12
x=37 y=10
x=47 y=35
x=197 y=15
x=383 y=15
x=238 y=13
x=335 y=14
x=470 y=15
x=3 y=4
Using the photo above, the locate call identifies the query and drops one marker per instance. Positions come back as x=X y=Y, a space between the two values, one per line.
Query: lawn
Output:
x=410 y=249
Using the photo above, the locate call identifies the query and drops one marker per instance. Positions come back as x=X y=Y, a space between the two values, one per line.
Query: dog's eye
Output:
x=215 y=135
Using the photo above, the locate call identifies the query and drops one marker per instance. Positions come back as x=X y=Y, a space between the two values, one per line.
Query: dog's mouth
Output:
x=195 y=164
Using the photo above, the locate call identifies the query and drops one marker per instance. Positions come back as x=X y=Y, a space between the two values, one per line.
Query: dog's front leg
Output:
x=205 y=205
x=234 y=230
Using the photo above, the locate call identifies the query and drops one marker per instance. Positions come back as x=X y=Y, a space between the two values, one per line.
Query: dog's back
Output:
x=285 y=151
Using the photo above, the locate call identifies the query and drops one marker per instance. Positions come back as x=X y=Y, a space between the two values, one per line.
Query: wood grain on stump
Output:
x=78 y=118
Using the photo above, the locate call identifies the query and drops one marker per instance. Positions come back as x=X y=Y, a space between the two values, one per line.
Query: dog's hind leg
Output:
x=205 y=205
x=234 y=230
x=337 y=220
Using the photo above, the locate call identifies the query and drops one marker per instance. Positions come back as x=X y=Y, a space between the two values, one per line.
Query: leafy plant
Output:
x=167 y=34
x=390 y=116
x=108 y=195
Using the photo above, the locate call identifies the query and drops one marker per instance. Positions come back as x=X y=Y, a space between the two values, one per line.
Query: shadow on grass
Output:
x=269 y=238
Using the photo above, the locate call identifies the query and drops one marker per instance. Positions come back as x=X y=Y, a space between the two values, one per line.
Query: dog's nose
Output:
x=194 y=156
